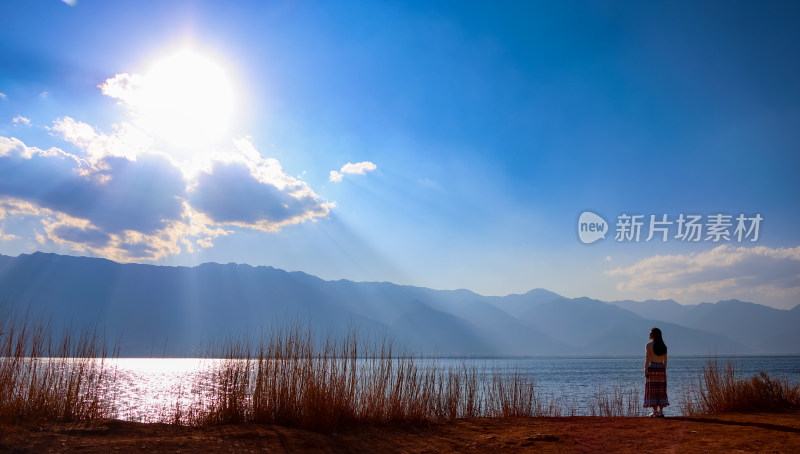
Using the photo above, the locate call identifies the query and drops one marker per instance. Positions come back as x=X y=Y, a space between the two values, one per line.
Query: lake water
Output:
x=149 y=389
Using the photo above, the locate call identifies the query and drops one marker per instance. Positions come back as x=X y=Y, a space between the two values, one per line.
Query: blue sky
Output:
x=466 y=139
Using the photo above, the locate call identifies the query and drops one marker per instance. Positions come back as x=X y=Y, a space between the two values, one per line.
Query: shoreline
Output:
x=767 y=432
x=514 y=357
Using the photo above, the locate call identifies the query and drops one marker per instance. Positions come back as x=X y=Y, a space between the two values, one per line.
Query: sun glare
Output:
x=187 y=99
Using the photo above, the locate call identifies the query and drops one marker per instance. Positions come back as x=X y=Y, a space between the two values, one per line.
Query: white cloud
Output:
x=119 y=198
x=19 y=119
x=256 y=195
x=125 y=141
x=105 y=210
x=359 y=168
x=125 y=87
x=11 y=207
x=759 y=274
x=3 y=96
x=335 y=176
x=125 y=195
x=15 y=147
x=44 y=95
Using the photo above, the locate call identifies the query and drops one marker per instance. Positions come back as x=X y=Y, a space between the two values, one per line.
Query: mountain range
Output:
x=166 y=310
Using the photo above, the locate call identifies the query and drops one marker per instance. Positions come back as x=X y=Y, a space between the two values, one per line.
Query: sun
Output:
x=186 y=99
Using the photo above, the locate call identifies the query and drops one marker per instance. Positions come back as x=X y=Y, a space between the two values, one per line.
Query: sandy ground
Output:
x=718 y=433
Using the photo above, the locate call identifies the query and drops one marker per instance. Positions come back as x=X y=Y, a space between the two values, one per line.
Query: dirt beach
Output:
x=717 y=433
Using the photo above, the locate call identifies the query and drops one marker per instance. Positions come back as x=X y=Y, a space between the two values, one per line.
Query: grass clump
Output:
x=617 y=401
x=291 y=379
x=42 y=378
x=721 y=390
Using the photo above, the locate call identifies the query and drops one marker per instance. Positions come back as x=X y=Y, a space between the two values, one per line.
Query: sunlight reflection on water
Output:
x=150 y=389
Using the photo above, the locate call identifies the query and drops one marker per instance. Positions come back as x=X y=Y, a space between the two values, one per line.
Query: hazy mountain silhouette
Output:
x=764 y=329
x=173 y=310
x=519 y=305
x=600 y=328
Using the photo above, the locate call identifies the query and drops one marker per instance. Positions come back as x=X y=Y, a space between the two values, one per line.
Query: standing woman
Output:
x=655 y=372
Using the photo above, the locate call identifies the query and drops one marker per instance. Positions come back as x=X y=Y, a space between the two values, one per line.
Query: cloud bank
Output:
x=759 y=274
x=359 y=168
x=119 y=196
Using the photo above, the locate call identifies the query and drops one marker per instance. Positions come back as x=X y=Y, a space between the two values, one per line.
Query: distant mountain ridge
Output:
x=173 y=310
x=763 y=328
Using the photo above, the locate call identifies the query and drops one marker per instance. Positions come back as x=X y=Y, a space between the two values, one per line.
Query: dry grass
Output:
x=291 y=378
x=287 y=379
x=52 y=379
x=722 y=390
x=618 y=401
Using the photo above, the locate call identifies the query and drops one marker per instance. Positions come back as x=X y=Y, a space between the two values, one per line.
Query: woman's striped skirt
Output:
x=655 y=387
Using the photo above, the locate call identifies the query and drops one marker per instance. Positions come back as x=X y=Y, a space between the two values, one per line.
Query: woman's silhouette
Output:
x=655 y=372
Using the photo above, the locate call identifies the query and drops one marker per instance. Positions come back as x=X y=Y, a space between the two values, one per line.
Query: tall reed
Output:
x=291 y=378
x=44 y=378
x=618 y=401
x=721 y=390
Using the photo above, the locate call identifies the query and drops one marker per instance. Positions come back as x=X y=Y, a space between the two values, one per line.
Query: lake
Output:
x=149 y=389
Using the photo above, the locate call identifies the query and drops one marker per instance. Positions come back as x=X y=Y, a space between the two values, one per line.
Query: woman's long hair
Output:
x=659 y=347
